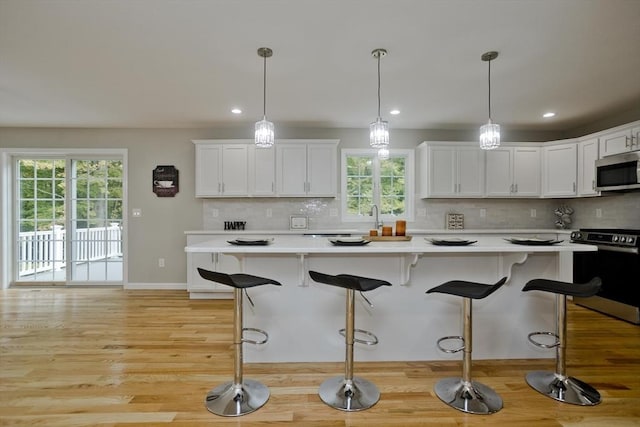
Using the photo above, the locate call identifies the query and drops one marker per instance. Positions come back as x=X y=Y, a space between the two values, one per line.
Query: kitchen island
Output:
x=303 y=317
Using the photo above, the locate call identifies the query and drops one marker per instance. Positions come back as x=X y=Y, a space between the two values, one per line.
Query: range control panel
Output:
x=614 y=239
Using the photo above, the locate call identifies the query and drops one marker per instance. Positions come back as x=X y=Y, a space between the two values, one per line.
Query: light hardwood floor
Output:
x=108 y=357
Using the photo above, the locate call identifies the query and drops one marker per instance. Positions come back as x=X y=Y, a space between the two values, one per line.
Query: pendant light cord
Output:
x=264 y=88
x=378 y=84
x=489 y=89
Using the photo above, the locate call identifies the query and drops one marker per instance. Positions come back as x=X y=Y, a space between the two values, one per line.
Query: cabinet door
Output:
x=321 y=170
x=635 y=141
x=209 y=261
x=560 y=170
x=499 y=167
x=616 y=142
x=526 y=171
x=208 y=162
x=442 y=172
x=263 y=171
x=235 y=170
x=587 y=156
x=291 y=169
x=470 y=172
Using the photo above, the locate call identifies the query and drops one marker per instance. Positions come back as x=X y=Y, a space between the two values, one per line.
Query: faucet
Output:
x=377 y=223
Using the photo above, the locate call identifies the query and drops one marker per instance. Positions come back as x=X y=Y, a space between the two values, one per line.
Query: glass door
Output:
x=69 y=221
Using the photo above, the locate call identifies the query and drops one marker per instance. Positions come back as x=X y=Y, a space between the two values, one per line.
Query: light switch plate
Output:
x=298 y=222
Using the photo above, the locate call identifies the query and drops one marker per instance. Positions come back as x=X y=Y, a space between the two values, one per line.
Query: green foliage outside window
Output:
x=361 y=176
x=42 y=190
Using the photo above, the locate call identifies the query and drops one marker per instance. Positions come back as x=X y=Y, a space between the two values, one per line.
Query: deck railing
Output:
x=40 y=251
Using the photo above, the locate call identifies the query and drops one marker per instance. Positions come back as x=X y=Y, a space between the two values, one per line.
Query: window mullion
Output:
x=376 y=181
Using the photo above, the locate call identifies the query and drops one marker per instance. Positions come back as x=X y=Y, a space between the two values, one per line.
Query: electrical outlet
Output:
x=269 y=212
x=214 y=213
x=483 y=213
x=136 y=212
x=161 y=262
x=598 y=213
x=533 y=213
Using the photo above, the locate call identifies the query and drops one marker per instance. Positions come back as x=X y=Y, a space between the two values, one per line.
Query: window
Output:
x=368 y=180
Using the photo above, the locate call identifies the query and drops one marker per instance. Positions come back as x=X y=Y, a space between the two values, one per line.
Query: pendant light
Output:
x=379 y=130
x=264 y=129
x=489 y=133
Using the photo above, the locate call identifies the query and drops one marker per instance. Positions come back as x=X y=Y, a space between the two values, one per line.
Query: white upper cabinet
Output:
x=307 y=168
x=560 y=170
x=447 y=170
x=513 y=172
x=620 y=141
x=587 y=156
x=221 y=169
x=262 y=171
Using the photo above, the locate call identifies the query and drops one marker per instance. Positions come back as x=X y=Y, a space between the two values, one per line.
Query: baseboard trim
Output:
x=155 y=286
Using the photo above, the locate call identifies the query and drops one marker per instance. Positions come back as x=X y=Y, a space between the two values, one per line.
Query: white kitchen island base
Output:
x=303 y=317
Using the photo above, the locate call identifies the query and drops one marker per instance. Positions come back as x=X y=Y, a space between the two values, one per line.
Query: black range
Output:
x=617 y=263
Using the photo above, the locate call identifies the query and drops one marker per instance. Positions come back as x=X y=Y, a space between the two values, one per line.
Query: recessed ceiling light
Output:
x=394 y=112
x=549 y=114
x=236 y=111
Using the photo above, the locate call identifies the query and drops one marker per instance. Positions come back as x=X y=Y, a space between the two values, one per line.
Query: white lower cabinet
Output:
x=560 y=170
x=199 y=287
x=587 y=156
x=513 y=172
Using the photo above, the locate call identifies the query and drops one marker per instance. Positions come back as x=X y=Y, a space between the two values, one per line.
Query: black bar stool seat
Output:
x=463 y=393
x=557 y=385
x=240 y=396
x=348 y=392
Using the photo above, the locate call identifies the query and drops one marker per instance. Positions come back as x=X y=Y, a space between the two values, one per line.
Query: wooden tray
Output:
x=388 y=238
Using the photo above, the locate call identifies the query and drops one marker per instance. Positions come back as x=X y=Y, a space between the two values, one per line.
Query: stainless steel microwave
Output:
x=619 y=172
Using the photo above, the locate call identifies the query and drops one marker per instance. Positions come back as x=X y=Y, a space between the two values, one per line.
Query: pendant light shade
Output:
x=265 y=135
x=379 y=130
x=383 y=153
x=489 y=133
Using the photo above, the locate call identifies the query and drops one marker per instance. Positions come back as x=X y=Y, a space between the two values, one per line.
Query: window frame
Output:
x=8 y=157
x=409 y=179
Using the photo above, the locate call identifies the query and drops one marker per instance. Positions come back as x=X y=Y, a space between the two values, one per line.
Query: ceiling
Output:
x=187 y=63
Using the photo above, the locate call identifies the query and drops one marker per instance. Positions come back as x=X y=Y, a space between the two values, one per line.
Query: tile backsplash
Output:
x=615 y=211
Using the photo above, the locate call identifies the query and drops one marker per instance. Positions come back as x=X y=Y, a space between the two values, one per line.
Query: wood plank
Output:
x=80 y=357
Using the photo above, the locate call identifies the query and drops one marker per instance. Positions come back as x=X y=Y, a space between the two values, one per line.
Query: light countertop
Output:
x=287 y=244
x=354 y=231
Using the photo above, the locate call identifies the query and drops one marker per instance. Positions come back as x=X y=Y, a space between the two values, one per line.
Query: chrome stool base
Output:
x=233 y=400
x=563 y=389
x=359 y=394
x=471 y=397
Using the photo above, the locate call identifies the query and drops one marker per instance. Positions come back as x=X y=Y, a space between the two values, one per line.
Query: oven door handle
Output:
x=609 y=248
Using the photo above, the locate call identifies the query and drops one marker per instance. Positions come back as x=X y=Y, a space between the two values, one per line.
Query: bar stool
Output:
x=240 y=396
x=463 y=393
x=557 y=385
x=350 y=393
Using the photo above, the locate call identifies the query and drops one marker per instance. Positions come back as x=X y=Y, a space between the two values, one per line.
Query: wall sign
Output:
x=165 y=181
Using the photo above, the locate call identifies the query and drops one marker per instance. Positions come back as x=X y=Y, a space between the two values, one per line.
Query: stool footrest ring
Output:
x=450 y=350
x=540 y=344
x=258 y=331
x=372 y=341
